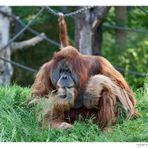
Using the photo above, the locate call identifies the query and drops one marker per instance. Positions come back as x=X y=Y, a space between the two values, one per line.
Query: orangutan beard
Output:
x=65 y=97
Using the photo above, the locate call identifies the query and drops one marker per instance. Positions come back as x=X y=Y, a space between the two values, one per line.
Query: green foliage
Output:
x=19 y=123
x=134 y=57
x=135 y=14
x=35 y=56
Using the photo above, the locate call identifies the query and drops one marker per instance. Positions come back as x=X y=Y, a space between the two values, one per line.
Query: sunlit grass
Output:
x=18 y=122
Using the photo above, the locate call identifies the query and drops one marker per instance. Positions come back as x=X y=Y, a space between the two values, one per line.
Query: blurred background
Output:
x=120 y=34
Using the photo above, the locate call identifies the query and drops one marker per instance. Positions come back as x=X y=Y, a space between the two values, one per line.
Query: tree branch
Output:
x=100 y=13
x=27 y=43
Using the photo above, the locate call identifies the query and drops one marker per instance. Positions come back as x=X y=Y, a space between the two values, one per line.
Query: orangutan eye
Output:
x=67 y=71
x=62 y=70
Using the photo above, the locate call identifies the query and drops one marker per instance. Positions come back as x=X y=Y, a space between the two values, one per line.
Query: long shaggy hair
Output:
x=97 y=87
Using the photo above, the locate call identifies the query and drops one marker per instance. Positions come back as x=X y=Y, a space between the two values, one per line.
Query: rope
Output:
x=131 y=72
x=125 y=28
x=143 y=10
x=56 y=13
x=35 y=71
x=19 y=65
x=17 y=18
x=50 y=41
x=20 y=32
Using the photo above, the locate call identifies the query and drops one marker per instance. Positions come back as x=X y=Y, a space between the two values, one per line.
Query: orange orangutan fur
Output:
x=102 y=86
x=105 y=94
x=63 y=32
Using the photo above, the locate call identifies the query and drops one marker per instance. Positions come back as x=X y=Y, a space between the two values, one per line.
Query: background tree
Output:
x=88 y=35
x=103 y=36
x=7 y=46
x=5 y=52
x=121 y=35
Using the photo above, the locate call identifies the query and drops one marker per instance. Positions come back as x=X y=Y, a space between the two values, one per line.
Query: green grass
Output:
x=18 y=122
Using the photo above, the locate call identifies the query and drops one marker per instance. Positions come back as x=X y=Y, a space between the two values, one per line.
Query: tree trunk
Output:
x=83 y=33
x=6 y=69
x=88 y=29
x=121 y=35
x=97 y=41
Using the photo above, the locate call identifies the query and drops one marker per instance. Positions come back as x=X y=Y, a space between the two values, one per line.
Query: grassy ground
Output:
x=18 y=122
